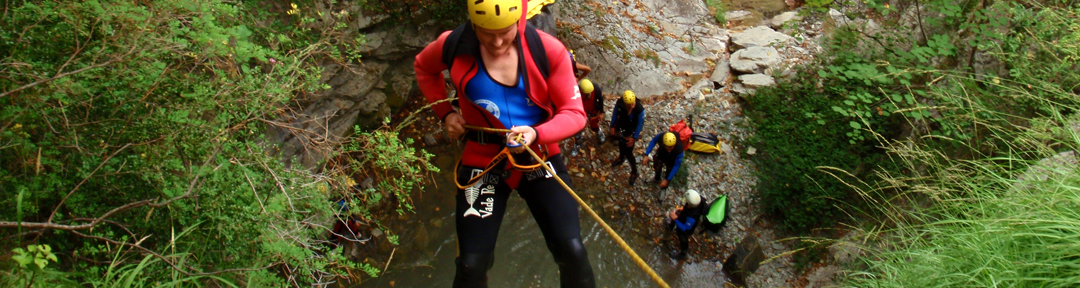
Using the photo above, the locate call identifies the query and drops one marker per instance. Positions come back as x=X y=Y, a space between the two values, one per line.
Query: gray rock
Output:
x=738 y=15
x=697 y=92
x=752 y=151
x=779 y=20
x=833 y=20
x=756 y=80
x=376 y=232
x=755 y=59
x=758 y=36
x=720 y=73
x=822 y=277
x=843 y=252
x=726 y=148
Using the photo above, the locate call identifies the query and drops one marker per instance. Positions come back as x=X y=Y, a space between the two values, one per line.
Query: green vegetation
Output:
x=929 y=143
x=717 y=8
x=132 y=147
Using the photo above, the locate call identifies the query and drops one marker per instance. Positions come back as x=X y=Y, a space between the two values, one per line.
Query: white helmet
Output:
x=692 y=197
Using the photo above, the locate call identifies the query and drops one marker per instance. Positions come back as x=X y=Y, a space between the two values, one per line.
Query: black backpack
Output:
x=707 y=138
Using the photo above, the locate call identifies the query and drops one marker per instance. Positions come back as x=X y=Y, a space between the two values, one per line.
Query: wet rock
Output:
x=758 y=36
x=744 y=261
x=429 y=140
x=756 y=59
x=756 y=80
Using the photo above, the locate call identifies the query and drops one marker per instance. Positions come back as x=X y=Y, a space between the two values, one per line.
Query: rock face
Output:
x=360 y=93
x=651 y=47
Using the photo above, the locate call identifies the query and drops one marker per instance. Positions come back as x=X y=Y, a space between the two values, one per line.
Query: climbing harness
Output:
x=505 y=154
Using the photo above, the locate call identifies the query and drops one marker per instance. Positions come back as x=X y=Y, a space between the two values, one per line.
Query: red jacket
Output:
x=558 y=95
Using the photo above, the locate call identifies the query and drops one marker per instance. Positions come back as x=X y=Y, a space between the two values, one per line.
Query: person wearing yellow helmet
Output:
x=627 y=118
x=669 y=157
x=580 y=70
x=507 y=75
x=592 y=99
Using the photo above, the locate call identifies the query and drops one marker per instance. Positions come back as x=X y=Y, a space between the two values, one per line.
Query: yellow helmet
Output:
x=628 y=97
x=586 y=86
x=494 y=14
x=670 y=139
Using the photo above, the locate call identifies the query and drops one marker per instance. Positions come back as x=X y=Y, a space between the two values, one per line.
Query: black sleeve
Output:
x=598 y=96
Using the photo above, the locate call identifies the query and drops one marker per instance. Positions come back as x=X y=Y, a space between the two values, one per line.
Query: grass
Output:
x=1007 y=218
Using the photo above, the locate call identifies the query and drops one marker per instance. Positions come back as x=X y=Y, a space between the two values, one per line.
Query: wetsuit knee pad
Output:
x=569 y=251
x=472 y=269
x=573 y=263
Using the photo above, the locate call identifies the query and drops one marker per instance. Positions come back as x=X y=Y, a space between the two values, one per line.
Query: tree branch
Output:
x=65 y=74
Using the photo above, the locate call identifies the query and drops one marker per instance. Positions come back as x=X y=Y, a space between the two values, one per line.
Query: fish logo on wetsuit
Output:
x=489 y=106
x=474 y=191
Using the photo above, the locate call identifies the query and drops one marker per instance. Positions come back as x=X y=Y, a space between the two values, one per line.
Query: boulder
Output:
x=701 y=90
x=732 y=16
x=721 y=73
x=756 y=80
x=779 y=20
x=758 y=36
x=756 y=59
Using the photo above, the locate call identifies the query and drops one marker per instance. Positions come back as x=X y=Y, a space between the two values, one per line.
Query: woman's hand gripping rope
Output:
x=519 y=136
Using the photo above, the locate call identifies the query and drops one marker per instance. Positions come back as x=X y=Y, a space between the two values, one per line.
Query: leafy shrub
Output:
x=131 y=134
x=799 y=141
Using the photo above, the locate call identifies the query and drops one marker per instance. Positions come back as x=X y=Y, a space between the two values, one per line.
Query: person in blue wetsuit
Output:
x=627 y=118
x=670 y=157
x=684 y=220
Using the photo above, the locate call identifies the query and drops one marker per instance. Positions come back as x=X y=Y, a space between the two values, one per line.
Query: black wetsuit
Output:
x=555 y=211
x=686 y=222
x=627 y=126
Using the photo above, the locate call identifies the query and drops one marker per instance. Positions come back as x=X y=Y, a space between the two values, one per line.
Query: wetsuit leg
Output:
x=478 y=217
x=658 y=171
x=684 y=241
x=472 y=269
x=556 y=212
x=622 y=152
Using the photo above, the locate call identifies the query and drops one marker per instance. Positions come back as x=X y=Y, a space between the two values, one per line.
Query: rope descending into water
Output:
x=611 y=232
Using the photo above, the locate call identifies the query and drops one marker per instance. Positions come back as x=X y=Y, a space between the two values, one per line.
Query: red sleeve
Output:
x=429 y=68
x=569 y=116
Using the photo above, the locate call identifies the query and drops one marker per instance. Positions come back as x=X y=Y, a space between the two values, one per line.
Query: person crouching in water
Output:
x=684 y=219
x=501 y=85
x=669 y=157
x=627 y=118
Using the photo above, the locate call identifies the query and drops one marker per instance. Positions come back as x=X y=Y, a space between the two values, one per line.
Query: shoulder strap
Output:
x=463 y=41
x=539 y=54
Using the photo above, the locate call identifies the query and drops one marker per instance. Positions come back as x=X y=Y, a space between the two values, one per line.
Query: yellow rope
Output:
x=611 y=232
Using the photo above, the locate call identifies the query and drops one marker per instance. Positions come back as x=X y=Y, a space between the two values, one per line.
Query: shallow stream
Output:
x=425 y=256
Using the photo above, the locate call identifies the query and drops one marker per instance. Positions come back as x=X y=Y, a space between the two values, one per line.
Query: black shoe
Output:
x=633 y=178
x=615 y=163
x=656 y=180
x=678 y=255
